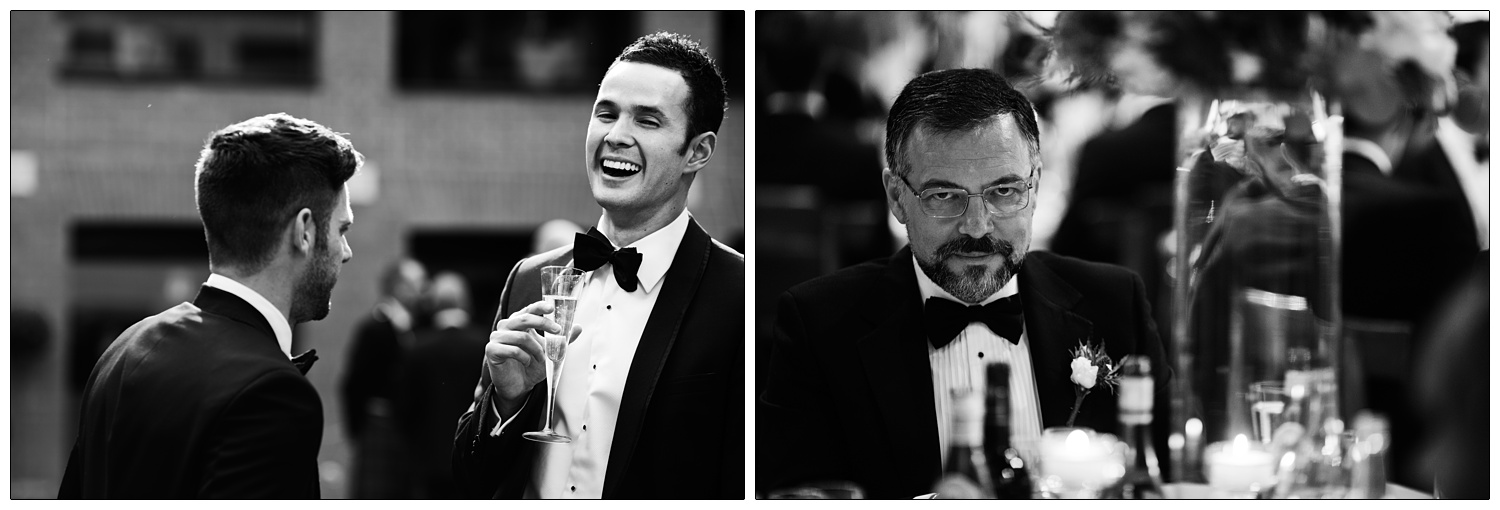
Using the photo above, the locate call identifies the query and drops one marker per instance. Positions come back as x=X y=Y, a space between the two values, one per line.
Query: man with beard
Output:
x=865 y=358
x=205 y=399
x=652 y=391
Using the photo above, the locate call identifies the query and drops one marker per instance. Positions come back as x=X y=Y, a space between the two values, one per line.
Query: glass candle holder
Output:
x=1239 y=469
x=1077 y=463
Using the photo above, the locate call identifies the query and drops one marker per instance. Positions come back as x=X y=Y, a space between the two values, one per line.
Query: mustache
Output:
x=982 y=245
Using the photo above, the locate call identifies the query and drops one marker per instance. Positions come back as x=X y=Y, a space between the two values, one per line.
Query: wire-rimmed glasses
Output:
x=954 y=202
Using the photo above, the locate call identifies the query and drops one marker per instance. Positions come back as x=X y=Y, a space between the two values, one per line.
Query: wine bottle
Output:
x=965 y=473
x=1142 y=478
x=1009 y=477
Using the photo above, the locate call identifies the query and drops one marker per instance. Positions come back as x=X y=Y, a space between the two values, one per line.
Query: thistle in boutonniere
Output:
x=1091 y=368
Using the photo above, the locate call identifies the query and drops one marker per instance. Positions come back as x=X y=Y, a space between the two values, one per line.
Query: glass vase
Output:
x=1255 y=276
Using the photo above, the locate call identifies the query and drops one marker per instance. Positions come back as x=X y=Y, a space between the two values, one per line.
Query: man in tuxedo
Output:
x=380 y=341
x=205 y=399
x=865 y=358
x=651 y=392
x=435 y=384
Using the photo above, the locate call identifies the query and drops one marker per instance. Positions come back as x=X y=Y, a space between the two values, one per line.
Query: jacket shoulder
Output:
x=556 y=257
x=859 y=280
x=1094 y=279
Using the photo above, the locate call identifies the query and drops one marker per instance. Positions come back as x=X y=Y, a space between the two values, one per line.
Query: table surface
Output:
x=1201 y=491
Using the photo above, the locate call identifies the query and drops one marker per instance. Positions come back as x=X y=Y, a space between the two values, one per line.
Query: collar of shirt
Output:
x=278 y=322
x=400 y=318
x=657 y=250
x=930 y=288
x=1369 y=150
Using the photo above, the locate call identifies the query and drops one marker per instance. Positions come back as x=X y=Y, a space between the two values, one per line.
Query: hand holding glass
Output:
x=561 y=285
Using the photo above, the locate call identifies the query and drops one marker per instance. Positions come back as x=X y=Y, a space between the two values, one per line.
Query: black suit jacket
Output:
x=374 y=358
x=197 y=402
x=681 y=426
x=1405 y=242
x=850 y=389
x=434 y=387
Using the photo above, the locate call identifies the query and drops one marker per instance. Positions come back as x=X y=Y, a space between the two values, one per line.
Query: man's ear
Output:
x=893 y=190
x=700 y=150
x=304 y=232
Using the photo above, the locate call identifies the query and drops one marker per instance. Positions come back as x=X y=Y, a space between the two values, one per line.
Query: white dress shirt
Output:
x=961 y=364
x=595 y=367
x=278 y=322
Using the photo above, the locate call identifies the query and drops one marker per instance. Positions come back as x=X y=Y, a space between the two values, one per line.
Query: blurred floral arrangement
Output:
x=1338 y=53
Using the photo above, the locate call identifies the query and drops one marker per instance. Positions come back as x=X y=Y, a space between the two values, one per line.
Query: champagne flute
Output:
x=561 y=285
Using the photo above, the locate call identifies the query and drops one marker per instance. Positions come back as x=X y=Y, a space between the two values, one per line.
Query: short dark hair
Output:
x=707 y=99
x=954 y=100
x=255 y=175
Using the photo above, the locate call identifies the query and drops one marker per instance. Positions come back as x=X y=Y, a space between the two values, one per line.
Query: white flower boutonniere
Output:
x=1091 y=367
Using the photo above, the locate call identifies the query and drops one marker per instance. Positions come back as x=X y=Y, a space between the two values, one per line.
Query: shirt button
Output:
x=981 y=355
x=573 y=488
x=596 y=367
x=609 y=307
x=585 y=427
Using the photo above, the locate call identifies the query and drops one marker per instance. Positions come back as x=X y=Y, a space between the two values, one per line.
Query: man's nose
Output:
x=976 y=220
x=348 y=252
x=619 y=134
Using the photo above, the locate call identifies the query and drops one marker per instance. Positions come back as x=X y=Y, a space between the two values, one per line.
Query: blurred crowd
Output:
x=413 y=365
x=1413 y=88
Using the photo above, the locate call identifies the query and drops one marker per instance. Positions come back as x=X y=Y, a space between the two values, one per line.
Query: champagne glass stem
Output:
x=551 y=395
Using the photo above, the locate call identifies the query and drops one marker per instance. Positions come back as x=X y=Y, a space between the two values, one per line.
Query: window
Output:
x=209 y=47
x=509 y=51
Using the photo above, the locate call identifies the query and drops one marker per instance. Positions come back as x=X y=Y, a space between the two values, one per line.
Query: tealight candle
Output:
x=1239 y=469
x=1076 y=457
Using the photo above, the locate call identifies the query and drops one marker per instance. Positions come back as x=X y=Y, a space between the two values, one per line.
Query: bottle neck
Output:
x=1136 y=393
x=967 y=432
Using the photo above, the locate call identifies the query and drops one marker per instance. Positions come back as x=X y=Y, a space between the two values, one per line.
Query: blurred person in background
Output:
x=368 y=388
x=552 y=235
x=435 y=383
x=864 y=358
x=1451 y=395
x=652 y=393
x=1401 y=174
x=205 y=399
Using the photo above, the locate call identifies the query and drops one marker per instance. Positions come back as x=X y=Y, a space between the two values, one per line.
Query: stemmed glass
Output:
x=561 y=285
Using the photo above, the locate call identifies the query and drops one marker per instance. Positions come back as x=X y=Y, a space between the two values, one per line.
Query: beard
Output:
x=975 y=282
x=312 y=294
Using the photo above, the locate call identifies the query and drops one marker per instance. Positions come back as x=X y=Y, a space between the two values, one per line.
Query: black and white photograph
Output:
x=748 y=254
x=204 y=203
x=1214 y=255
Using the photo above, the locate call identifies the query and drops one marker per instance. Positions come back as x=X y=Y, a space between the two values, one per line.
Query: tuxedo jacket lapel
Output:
x=894 y=355
x=678 y=288
x=1051 y=329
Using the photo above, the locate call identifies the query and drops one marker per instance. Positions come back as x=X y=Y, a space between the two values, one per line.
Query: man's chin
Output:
x=966 y=265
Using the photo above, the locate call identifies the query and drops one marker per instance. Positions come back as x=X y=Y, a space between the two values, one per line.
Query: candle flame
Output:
x=1194 y=426
x=1241 y=444
x=1077 y=440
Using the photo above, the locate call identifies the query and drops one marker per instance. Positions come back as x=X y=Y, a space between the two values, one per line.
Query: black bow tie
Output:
x=305 y=360
x=593 y=251
x=946 y=318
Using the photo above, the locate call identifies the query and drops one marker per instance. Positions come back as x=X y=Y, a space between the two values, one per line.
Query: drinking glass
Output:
x=1268 y=401
x=561 y=285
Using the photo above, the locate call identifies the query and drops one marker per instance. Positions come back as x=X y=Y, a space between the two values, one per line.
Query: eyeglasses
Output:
x=954 y=202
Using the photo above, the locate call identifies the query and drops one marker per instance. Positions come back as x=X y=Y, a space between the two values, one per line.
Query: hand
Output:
x=514 y=360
